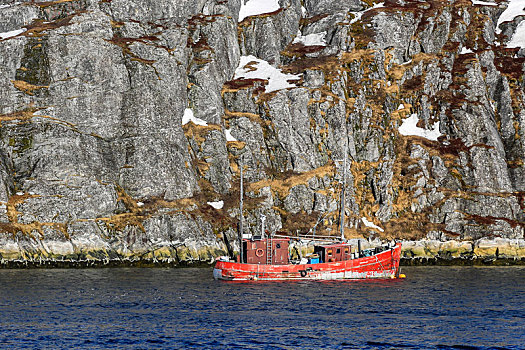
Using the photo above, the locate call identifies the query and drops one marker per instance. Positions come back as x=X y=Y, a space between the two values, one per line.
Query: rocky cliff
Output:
x=124 y=124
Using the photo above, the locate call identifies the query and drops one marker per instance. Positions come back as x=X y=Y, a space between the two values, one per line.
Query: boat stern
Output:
x=217 y=273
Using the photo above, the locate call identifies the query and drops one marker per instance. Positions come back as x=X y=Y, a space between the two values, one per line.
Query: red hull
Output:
x=381 y=265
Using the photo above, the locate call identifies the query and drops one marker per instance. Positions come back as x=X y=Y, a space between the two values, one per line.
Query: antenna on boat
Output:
x=263 y=220
x=342 y=216
x=240 y=215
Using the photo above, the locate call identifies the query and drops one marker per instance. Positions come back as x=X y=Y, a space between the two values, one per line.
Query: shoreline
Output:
x=482 y=252
x=168 y=263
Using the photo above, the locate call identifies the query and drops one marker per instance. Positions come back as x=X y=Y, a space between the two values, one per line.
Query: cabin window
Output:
x=254 y=245
x=329 y=252
x=278 y=246
x=338 y=251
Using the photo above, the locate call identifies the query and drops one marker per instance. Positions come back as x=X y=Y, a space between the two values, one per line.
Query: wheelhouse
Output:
x=333 y=252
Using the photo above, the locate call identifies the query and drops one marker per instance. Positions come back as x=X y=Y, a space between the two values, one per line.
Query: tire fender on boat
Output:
x=259 y=252
x=303 y=273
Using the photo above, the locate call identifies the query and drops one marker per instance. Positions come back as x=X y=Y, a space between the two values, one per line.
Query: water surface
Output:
x=131 y=308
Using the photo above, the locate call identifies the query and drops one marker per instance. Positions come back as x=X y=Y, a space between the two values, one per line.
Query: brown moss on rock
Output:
x=27 y=88
x=282 y=186
x=14 y=227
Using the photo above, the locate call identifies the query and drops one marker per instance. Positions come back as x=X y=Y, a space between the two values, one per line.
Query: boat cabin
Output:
x=334 y=252
x=271 y=251
x=275 y=251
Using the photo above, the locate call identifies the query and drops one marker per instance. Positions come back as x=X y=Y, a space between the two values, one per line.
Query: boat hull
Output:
x=382 y=265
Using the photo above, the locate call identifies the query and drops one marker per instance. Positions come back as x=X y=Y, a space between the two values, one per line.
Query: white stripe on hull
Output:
x=328 y=275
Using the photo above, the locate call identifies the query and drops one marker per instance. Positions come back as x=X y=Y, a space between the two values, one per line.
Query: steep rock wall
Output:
x=121 y=120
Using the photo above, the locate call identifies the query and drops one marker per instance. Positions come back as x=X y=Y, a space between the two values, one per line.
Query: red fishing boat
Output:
x=268 y=259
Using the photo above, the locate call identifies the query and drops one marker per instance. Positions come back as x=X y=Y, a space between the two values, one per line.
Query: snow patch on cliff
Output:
x=518 y=38
x=9 y=5
x=257 y=7
x=229 y=136
x=251 y=67
x=514 y=9
x=410 y=128
x=359 y=14
x=216 y=205
x=484 y=3
x=11 y=34
x=189 y=117
x=371 y=224
x=315 y=39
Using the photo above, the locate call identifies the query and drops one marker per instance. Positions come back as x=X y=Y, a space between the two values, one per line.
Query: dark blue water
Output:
x=434 y=307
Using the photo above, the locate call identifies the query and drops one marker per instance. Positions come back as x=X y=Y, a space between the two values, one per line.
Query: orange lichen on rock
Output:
x=27 y=229
x=125 y=43
x=38 y=26
x=198 y=133
x=14 y=200
x=27 y=88
x=134 y=217
x=44 y=4
x=283 y=186
x=23 y=115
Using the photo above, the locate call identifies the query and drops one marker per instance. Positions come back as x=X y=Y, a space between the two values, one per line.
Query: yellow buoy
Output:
x=402 y=275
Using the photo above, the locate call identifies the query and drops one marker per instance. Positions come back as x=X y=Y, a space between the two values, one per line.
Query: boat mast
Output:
x=240 y=217
x=342 y=215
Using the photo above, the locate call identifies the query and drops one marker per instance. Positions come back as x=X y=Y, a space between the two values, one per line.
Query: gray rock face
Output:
x=265 y=37
x=124 y=126
x=321 y=7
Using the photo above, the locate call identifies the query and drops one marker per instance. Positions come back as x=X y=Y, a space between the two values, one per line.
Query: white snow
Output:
x=229 y=136
x=359 y=14
x=9 y=5
x=514 y=9
x=140 y=204
x=518 y=38
x=401 y=106
x=257 y=7
x=357 y=17
x=11 y=33
x=303 y=11
x=315 y=39
x=189 y=117
x=217 y=205
x=261 y=69
x=371 y=224
x=464 y=50
x=409 y=127
x=486 y=3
